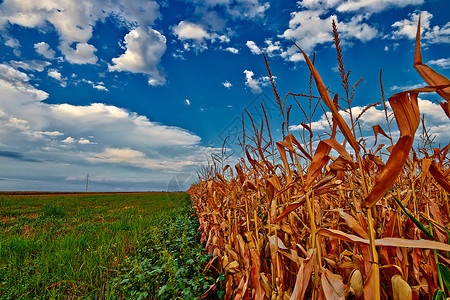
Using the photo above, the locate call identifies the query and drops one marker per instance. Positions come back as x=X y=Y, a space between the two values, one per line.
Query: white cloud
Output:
x=100 y=87
x=55 y=75
x=407 y=87
x=367 y=6
x=271 y=48
x=69 y=140
x=74 y=21
x=292 y=54
x=84 y=141
x=374 y=5
x=435 y=120
x=247 y=8
x=144 y=49
x=232 y=50
x=443 y=63
x=255 y=84
x=223 y=39
x=407 y=28
x=239 y=9
x=30 y=65
x=12 y=42
x=12 y=75
x=44 y=49
x=357 y=29
x=82 y=54
x=190 y=31
x=187 y=102
x=127 y=156
x=194 y=36
x=227 y=84
x=253 y=47
x=308 y=29
x=208 y=22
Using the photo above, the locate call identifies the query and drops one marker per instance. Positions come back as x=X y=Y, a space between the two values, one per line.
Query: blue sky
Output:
x=138 y=93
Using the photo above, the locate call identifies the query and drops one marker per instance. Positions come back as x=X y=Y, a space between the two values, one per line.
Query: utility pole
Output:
x=87 y=182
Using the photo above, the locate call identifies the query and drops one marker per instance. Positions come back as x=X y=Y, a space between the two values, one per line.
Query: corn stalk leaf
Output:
x=439 y=177
x=319 y=160
x=391 y=242
x=377 y=129
x=406 y=111
x=430 y=76
x=438 y=295
x=445 y=275
x=353 y=224
x=329 y=103
x=332 y=285
x=415 y=221
x=303 y=276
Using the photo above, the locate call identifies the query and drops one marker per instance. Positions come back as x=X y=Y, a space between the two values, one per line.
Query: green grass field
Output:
x=78 y=245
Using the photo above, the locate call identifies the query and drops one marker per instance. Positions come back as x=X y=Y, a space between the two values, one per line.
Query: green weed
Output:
x=170 y=262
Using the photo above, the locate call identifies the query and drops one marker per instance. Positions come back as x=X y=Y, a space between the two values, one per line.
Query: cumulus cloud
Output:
x=443 y=63
x=255 y=84
x=253 y=47
x=367 y=6
x=82 y=54
x=232 y=50
x=308 y=29
x=195 y=36
x=208 y=22
x=44 y=49
x=11 y=74
x=100 y=87
x=406 y=87
x=144 y=49
x=12 y=42
x=190 y=31
x=247 y=8
x=55 y=75
x=30 y=65
x=374 y=5
x=407 y=28
x=227 y=84
x=435 y=120
x=67 y=140
x=270 y=49
x=240 y=9
x=74 y=21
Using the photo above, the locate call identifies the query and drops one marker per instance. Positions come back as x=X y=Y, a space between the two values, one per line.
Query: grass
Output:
x=69 y=246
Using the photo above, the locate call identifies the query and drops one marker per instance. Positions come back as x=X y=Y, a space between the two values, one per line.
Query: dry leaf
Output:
x=332 y=285
x=406 y=111
x=329 y=103
x=392 y=242
x=304 y=276
x=354 y=224
x=430 y=76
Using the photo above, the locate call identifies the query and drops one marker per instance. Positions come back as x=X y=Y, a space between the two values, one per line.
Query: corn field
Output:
x=339 y=221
